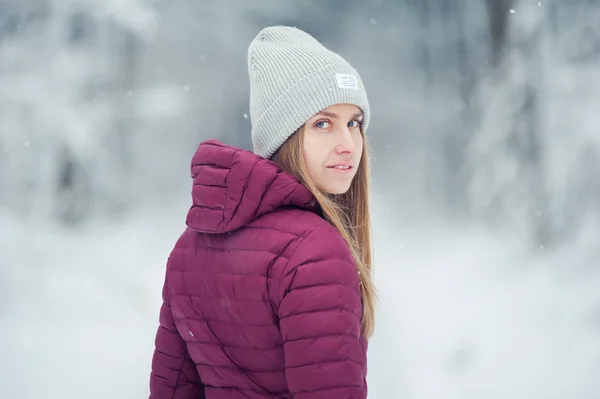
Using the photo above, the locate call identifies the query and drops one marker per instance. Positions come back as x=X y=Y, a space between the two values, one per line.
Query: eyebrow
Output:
x=336 y=116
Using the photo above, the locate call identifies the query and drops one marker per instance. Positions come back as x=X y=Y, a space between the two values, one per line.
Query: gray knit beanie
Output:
x=292 y=78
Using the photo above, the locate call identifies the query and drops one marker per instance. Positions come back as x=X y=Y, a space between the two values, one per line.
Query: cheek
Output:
x=311 y=142
x=312 y=152
x=358 y=141
x=310 y=163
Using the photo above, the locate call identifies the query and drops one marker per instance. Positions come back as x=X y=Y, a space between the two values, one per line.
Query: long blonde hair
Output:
x=348 y=213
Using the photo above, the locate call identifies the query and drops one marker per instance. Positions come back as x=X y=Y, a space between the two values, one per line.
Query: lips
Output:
x=341 y=167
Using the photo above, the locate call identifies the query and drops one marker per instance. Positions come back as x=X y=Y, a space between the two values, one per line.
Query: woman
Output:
x=268 y=292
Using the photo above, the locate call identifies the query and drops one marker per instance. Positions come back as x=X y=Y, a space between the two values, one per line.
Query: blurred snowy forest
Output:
x=486 y=161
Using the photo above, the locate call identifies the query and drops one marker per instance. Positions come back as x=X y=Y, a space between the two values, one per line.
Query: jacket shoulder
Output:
x=297 y=222
x=312 y=237
x=306 y=232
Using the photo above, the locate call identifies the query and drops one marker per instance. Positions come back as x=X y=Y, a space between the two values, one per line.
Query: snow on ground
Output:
x=80 y=308
x=464 y=314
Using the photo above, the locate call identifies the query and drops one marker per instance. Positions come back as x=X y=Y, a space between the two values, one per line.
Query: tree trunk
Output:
x=498 y=13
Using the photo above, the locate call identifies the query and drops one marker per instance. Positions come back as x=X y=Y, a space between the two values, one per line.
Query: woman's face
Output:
x=333 y=145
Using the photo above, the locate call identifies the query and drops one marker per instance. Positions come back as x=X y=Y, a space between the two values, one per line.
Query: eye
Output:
x=354 y=123
x=322 y=124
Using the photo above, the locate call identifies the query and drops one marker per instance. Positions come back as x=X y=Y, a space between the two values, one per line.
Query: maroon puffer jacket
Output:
x=261 y=295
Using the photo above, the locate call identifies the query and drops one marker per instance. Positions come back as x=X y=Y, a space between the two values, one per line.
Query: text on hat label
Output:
x=346 y=81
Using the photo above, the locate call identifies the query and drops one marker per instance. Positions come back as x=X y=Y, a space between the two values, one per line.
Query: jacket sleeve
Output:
x=174 y=374
x=320 y=312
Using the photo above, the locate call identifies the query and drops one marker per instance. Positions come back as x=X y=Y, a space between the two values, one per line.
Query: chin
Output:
x=336 y=190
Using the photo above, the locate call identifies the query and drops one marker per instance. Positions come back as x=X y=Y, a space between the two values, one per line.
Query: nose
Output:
x=345 y=142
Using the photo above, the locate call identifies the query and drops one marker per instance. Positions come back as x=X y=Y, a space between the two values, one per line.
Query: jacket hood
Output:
x=232 y=187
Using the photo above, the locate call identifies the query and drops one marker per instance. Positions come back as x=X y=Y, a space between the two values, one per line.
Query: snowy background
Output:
x=486 y=157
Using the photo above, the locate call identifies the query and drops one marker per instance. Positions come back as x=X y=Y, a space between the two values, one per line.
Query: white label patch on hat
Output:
x=346 y=81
